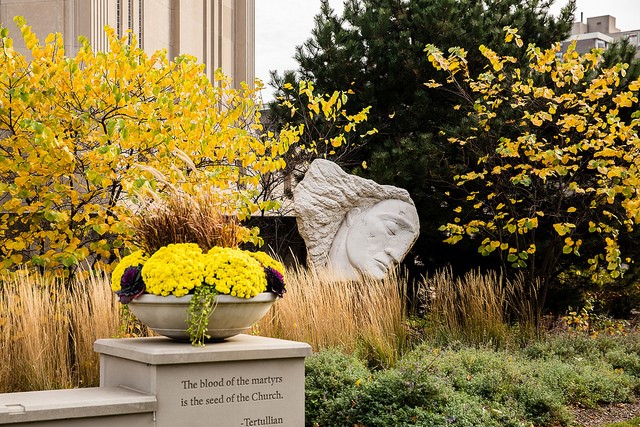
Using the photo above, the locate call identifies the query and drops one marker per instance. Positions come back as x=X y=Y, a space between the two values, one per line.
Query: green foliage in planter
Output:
x=201 y=307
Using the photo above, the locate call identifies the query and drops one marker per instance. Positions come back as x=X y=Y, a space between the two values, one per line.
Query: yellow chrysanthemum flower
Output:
x=234 y=272
x=174 y=269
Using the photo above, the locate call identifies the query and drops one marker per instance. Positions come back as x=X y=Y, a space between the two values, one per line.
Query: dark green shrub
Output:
x=474 y=387
x=584 y=382
x=627 y=360
x=331 y=381
x=396 y=398
x=501 y=380
x=537 y=389
x=412 y=395
x=577 y=347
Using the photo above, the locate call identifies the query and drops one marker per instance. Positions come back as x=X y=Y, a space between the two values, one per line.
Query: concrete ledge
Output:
x=165 y=351
x=53 y=405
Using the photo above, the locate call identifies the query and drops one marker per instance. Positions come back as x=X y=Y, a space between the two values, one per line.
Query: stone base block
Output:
x=244 y=381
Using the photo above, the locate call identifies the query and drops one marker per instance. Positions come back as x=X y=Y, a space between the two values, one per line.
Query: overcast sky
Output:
x=281 y=25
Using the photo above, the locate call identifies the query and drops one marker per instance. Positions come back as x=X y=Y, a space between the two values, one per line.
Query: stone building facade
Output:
x=600 y=32
x=220 y=33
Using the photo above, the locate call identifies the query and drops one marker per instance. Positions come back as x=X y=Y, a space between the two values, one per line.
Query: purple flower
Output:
x=131 y=284
x=275 y=281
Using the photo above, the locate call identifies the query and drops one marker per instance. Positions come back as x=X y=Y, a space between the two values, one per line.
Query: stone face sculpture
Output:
x=353 y=225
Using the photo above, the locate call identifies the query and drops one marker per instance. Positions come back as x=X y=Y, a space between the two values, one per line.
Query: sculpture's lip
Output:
x=381 y=264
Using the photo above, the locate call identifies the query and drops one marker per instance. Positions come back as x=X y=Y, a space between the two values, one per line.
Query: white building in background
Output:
x=600 y=32
x=220 y=33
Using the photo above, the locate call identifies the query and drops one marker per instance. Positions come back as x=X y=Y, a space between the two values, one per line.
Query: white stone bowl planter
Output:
x=231 y=316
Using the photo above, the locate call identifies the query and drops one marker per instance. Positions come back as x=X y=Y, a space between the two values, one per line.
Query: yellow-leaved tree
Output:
x=554 y=157
x=79 y=135
x=326 y=128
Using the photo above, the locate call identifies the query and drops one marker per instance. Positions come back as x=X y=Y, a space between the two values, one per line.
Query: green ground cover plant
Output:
x=468 y=386
x=630 y=423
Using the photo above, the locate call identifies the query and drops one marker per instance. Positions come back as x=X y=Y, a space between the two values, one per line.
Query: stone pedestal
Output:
x=244 y=381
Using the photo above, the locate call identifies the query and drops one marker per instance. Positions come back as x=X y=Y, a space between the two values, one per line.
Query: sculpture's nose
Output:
x=395 y=255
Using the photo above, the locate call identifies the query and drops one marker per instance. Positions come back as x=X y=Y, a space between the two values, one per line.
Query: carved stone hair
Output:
x=323 y=198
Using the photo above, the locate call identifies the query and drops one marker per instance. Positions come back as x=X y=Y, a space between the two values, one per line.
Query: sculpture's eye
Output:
x=391 y=228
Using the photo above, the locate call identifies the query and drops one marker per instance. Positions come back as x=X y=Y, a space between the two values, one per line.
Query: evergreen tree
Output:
x=376 y=49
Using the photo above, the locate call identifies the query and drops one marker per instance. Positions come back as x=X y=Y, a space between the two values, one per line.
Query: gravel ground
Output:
x=606 y=414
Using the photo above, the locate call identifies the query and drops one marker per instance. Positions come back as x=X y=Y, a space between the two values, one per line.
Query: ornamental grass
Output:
x=367 y=318
x=479 y=309
x=47 y=330
x=180 y=217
